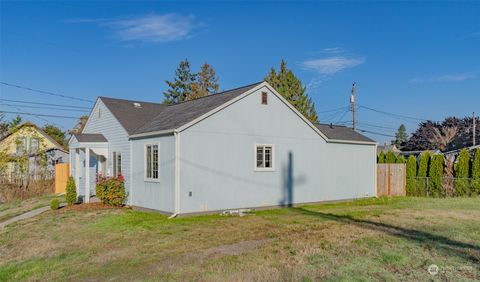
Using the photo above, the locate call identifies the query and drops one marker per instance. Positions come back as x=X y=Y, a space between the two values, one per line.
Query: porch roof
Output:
x=90 y=138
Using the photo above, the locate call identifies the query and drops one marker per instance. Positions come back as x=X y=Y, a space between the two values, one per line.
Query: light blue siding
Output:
x=116 y=135
x=154 y=195
x=218 y=161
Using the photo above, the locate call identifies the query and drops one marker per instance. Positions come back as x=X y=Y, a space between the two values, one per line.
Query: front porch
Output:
x=88 y=159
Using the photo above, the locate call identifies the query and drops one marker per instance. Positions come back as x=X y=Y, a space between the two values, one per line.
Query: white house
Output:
x=242 y=148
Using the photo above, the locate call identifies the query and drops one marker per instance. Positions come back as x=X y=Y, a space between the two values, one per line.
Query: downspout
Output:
x=130 y=188
x=177 y=174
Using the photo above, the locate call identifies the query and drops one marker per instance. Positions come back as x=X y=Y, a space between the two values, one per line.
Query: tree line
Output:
x=450 y=134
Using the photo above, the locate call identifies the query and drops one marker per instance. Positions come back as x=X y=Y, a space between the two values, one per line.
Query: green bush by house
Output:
x=390 y=157
x=111 y=191
x=71 y=195
x=55 y=204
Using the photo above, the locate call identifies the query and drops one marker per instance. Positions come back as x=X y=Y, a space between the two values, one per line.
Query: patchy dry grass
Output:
x=375 y=239
x=18 y=207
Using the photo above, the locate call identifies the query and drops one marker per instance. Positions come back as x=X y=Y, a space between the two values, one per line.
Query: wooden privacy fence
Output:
x=391 y=179
x=62 y=172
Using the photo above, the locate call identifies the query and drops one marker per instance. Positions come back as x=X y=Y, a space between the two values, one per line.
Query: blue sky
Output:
x=416 y=59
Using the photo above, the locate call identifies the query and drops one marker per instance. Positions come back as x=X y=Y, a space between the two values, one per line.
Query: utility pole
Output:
x=474 y=131
x=352 y=103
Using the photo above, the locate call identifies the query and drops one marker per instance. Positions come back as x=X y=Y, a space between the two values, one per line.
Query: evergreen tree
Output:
x=78 y=128
x=390 y=157
x=206 y=83
x=411 y=175
x=400 y=159
x=181 y=86
x=3 y=126
x=462 y=168
x=422 y=173
x=436 y=173
x=476 y=172
x=15 y=122
x=291 y=88
x=381 y=158
x=56 y=133
x=401 y=136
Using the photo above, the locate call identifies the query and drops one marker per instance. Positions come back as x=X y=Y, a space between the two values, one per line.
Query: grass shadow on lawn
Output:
x=466 y=251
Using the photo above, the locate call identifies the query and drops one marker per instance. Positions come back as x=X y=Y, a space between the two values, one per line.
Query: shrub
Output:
x=71 y=196
x=111 y=191
x=422 y=173
x=476 y=172
x=400 y=159
x=390 y=157
x=436 y=173
x=381 y=158
x=462 y=168
x=411 y=174
x=55 y=204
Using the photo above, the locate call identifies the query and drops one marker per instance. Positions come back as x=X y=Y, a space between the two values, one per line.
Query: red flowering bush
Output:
x=111 y=190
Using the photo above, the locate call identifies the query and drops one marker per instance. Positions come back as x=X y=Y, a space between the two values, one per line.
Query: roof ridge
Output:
x=338 y=125
x=135 y=101
x=219 y=93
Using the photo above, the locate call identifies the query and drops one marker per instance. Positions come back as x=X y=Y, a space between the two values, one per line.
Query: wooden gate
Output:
x=391 y=179
x=62 y=172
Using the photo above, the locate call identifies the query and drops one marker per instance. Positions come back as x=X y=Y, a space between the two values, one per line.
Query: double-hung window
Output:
x=21 y=147
x=117 y=163
x=151 y=161
x=264 y=157
x=34 y=145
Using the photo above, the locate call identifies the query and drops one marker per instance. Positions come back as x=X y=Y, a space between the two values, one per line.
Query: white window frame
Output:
x=255 y=157
x=151 y=179
x=115 y=163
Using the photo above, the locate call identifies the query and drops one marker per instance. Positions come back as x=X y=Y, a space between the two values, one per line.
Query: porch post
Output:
x=87 y=175
x=77 y=170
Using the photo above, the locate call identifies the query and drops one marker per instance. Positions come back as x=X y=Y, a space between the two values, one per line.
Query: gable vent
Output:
x=137 y=105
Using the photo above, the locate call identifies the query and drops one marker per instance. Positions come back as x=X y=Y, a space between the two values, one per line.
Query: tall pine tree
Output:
x=401 y=136
x=291 y=88
x=206 y=83
x=181 y=86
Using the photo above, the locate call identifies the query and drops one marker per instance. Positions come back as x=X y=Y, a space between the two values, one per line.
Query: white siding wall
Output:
x=116 y=135
x=217 y=161
x=154 y=195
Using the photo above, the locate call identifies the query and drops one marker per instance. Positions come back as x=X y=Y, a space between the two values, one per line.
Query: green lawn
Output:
x=374 y=239
x=17 y=207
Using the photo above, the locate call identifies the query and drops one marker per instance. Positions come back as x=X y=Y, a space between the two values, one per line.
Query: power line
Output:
x=47 y=108
x=45 y=92
x=374 y=125
x=332 y=110
x=37 y=116
x=41 y=115
x=375 y=133
x=46 y=104
x=392 y=114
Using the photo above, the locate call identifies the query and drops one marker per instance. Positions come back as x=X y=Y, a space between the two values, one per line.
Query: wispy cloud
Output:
x=148 y=28
x=443 y=78
x=333 y=64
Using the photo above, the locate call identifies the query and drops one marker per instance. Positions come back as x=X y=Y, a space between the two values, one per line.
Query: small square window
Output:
x=264 y=157
x=264 y=98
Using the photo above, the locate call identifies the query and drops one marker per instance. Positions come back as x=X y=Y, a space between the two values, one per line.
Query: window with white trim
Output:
x=264 y=155
x=117 y=163
x=151 y=158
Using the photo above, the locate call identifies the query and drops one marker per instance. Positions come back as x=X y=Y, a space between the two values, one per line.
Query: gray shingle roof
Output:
x=176 y=115
x=339 y=132
x=129 y=116
x=90 y=137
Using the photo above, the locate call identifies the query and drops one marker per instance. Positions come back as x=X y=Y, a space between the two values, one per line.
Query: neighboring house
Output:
x=30 y=142
x=386 y=148
x=242 y=148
